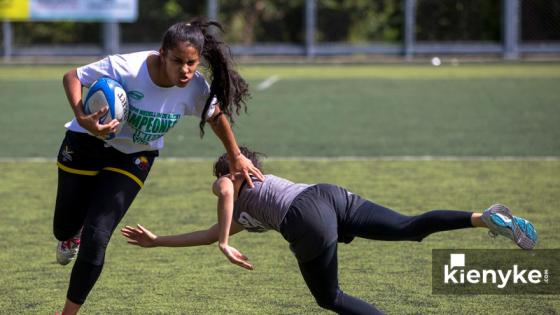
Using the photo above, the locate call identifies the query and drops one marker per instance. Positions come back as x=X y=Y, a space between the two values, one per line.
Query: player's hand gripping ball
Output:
x=106 y=92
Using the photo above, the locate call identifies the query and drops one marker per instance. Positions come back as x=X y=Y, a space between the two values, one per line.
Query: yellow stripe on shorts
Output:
x=76 y=171
x=132 y=176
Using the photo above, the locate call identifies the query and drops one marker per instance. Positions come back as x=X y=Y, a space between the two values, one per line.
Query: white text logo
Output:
x=456 y=273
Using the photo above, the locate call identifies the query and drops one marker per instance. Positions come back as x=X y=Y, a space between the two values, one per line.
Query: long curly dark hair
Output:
x=221 y=166
x=227 y=86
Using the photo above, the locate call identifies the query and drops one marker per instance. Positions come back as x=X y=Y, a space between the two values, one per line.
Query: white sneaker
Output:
x=66 y=251
x=500 y=221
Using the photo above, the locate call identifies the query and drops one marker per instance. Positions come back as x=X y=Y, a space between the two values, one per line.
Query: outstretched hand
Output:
x=242 y=164
x=236 y=257
x=139 y=236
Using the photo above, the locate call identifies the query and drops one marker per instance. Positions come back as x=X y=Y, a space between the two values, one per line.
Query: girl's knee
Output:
x=328 y=304
x=328 y=301
x=93 y=245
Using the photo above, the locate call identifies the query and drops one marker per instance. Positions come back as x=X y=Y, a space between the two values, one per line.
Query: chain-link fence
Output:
x=540 y=20
x=360 y=22
x=336 y=27
x=459 y=20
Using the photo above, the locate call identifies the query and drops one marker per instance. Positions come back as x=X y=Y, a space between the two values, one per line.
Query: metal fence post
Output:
x=409 y=28
x=511 y=13
x=7 y=40
x=310 y=24
x=111 y=37
x=212 y=10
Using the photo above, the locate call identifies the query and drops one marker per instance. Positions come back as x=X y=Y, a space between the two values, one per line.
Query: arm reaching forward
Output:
x=224 y=190
x=143 y=237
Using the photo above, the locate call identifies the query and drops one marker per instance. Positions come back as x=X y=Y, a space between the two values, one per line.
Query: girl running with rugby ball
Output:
x=313 y=218
x=98 y=179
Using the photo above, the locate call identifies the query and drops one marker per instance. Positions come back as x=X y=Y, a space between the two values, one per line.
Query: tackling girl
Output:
x=313 y=218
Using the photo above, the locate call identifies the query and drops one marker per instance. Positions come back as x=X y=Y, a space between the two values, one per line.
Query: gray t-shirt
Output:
x=264 y=206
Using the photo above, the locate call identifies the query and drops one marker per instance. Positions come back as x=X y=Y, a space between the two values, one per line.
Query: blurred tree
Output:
x=155 y=16
x=358 y=21
x=459 y=20
x=540 y=20
x=261 y=21
x=250 y=21
x=27 y=33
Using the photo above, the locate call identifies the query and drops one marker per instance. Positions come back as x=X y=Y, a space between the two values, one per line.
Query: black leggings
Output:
x=374 y=222
x=96 y=186
x=321 y=277
x=98 y=211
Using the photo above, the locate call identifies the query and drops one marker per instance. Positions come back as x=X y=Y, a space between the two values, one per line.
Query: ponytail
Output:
x=227 y=86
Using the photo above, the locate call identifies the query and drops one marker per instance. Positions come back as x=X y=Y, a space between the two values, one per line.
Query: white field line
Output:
x=331 y=158
x=417 y=158
x=268 y=83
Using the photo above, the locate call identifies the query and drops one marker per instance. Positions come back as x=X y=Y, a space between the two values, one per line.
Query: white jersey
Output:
x=153 y=110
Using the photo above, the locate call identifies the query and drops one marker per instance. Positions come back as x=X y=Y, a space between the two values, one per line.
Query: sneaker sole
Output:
x=519 y=237
x=63 y=259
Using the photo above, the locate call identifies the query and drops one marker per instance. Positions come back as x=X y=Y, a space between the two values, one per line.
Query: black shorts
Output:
x=316 y=219
x=83 y=154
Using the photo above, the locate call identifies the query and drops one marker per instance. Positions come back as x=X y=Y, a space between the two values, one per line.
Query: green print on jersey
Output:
x=135 y=95
x=149 y=126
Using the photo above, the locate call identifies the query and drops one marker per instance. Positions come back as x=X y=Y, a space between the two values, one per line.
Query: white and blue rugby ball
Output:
x=106 y=92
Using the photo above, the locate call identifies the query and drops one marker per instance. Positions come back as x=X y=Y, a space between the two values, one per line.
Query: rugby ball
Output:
x=106 y=92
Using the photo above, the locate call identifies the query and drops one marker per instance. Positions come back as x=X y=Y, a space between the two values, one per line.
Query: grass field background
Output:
x=313 y=111
x=355 y=110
